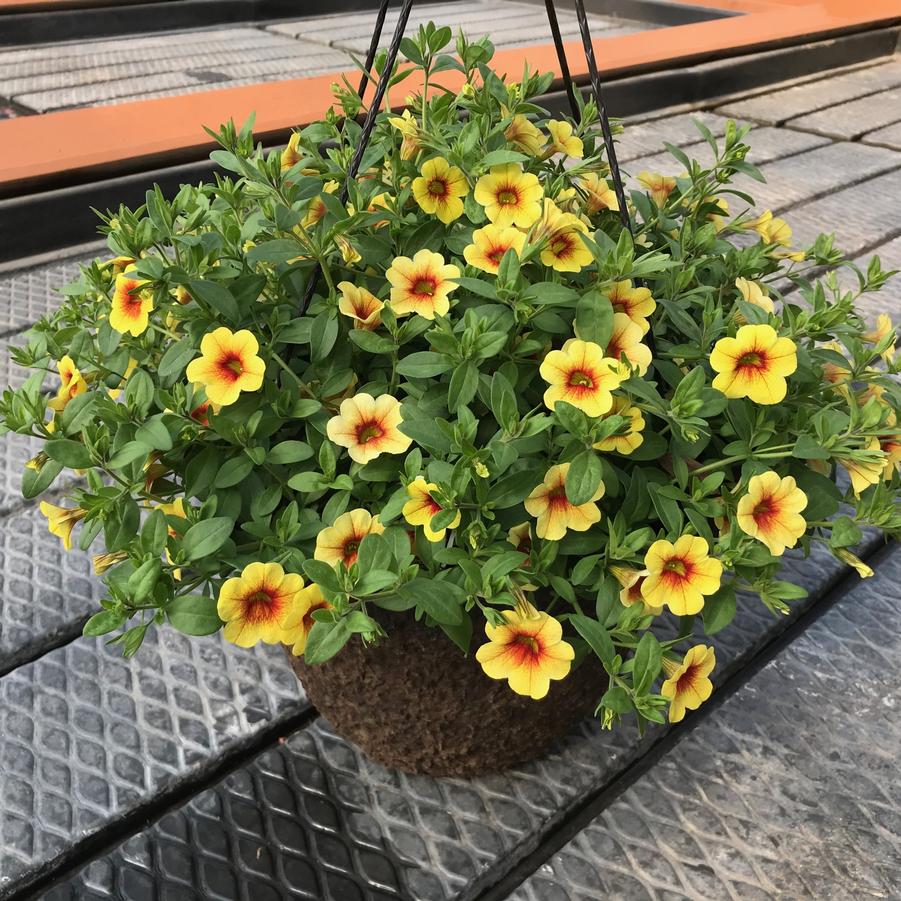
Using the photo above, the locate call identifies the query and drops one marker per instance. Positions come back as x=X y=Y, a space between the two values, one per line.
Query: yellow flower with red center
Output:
x=256 y=605
x=753 y=292
x=554 y=511
x=360 y=305
x=368 y=426
x=563 y=249
x=865 y=472
x=687 y=684
x=62 y=520
x=439 y=189
x=521 y=537
x=891 y=447
x=582 y=375
x=510 y=196
x=600 y=196
x=636 y=303
x=291 y=155
x=770 y=229
x=883 y=329
x=228 y=364
x=340 y=542
x=631 y=581
x=563 y=140
x=489 y=244
x=409 y=129
x=625 y=341
x=754 y=364
x=524 y=136
x=71 y=384
x=680 y=574
x=300 y=622
x=130 y=305
x=771 y=511
x=317 y=208
x=421 y=285
x=658 y=186
x=528 y=651
x=422 y=506
x=624 y=443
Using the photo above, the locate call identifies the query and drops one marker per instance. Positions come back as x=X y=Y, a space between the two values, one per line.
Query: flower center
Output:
x=496 y=254
x=507 y=196
x=528 y=642
x=234 y=366
x=438 y=187
x=557 y=498
x=686 y=681
x=752 y=359
x=561 y=245
x=764 y=510
x=424 y=286
x=260 y=606
x=369 y=431
x=579 y=379
x=675 y=565
x=351 y=548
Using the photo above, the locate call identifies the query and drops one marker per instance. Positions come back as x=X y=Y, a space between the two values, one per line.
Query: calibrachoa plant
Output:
x=498 y=412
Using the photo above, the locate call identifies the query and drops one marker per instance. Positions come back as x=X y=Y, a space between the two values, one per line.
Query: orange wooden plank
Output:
x=146 y=132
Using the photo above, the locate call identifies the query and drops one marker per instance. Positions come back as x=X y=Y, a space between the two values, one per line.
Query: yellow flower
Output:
x=658 y=186
x=581 y=375
x=771 y=511
x=103 y=562
x=680 y=574
x=770 y=229
x=129 y=369
x=228 y=364
x=175 y=508
x=340 y=543
x=687 y=684
x=524 y=136
x=891 y=447
x=631 y=581
x=563 y=140
x=555 y=513
x=317 y=208
x=71 y=384
x=407 y=126
x=521 y=537
x=852 y=560
x=368 y=426
x=361 y=306
x=864 y=473
x=753 y=292
x=883 y=329
x=600 y=195
x=625 y=341
x=754 y=364
x=182 y=295
x=61 y=521
x=349 y=253
x=421 y=285
x=291 y=155
x=439 y=188
x=422 y=506
x=636 y=303
x=563 y=250
x=117 y=264
x=510 y=196
x=256 y=605
x=624 y=444
x=300 y=621
x=527 y=650
x=489 y=246
x=130 y=306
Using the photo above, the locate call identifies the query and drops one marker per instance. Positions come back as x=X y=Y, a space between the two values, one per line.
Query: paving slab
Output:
x=648 y=136
x=790 y=790
x=776 y=107
x=889 y=136
x=853 y=119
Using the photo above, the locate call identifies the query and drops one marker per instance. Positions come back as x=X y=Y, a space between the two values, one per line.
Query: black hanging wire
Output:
x=561 y=57
x=369 y=121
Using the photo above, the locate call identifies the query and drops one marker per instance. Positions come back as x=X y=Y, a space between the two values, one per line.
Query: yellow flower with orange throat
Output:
x=680 y=574
x=688 y=683
x=62 y=520
x=368 y=426
x=340 y=542
x=553 y=510
x=754 y=364
x=300 y=621
x=527 y=650
x=71 y=384
x=317 y=208
x=753 y=292
x=883 y=329
x=131 y=305
x=624 y=443
x=771 y=511
x=524 y=136
x=257 y=605
x=291 y=155
x=360 y=305
x=409 y=129
x=630 y=581
x=865 y=471
x=636 y=303
x=599 y=194
x=563 y=140
x=581 y=374
x=562 y=246
x=658 y=186
x=510 y=196
x=422 y=284
x=489 y=244
x=440 y=188
x=771 y=230
x=228 y=364
x=422 y=507
x=625 y=341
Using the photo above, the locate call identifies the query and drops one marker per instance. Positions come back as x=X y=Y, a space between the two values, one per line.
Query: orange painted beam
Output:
x=128 y=136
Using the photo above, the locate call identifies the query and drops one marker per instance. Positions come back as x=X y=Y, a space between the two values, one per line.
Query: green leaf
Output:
x=823 y=496
x=594 y=318
x=549 y=294
x=322 y=574
x=104 y=622
x=78 y=413
x=463 y=386
x=68 y=452
x=646 y=663
x=808 y=448
x=289 y=452
x=194 y=614
x=154 y=533
x=35 y=482
x=373 y=581
x=461 y=633
x=514 y=488
x=584 y=477
x=499 y=157
x=719 y=610
x=426 y=433
x=233 y=471
x=440 y=599
x=326 y=638
x=598 y=638
x=206 y=537
x=374 y=553
x=371 y=342
x=424 y=364
x=216 y=296
x=128 y=453
x=323 y=335
x=176 y=358
x=154 y=435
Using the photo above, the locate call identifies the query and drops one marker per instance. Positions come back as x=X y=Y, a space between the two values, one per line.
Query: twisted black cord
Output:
x=373 y=47
x=369 y=122
x=561 y=57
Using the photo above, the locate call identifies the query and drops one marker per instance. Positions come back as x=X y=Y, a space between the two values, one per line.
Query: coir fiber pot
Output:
x=416 y=703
